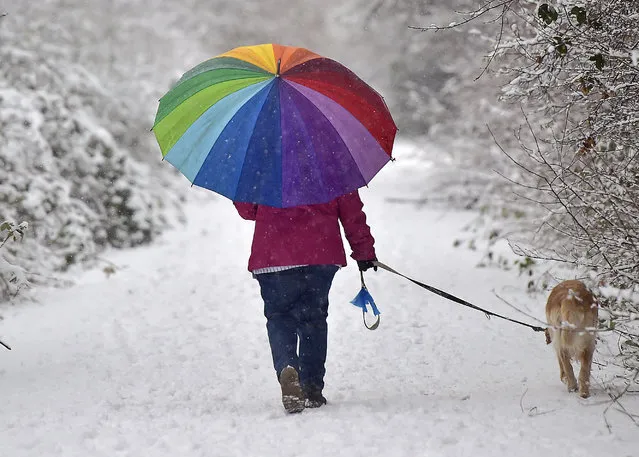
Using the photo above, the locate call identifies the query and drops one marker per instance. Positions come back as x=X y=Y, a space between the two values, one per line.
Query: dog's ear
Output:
x=548 y=339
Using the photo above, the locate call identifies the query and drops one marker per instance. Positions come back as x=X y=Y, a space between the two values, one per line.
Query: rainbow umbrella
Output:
x=275 y=125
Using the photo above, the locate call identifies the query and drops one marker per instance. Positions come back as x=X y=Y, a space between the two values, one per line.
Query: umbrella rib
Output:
x=311 y=145
x=333 y=127
x=339 y=69
x=227 y=65
x=336 y=107
x=270 y=87
x=258 y=79
x=219 y=115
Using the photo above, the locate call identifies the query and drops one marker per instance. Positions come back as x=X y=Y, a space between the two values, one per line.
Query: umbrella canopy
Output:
x=275 y=125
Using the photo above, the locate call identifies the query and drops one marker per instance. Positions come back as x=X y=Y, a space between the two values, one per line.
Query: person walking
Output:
x=295 y=254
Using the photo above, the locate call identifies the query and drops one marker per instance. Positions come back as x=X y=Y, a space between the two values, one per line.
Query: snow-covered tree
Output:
x=572 y=70
x=12 y=277
x=573 y=67
x=65 y=169
x=429 y=77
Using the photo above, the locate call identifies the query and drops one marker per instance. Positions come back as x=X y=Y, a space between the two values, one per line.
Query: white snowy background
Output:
x=168 y=356
x=161 y=350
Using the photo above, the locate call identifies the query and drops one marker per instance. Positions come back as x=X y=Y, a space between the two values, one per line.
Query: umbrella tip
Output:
x=279 y=63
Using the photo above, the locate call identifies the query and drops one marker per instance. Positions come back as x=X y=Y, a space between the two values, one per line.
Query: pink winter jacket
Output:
x=308 y=235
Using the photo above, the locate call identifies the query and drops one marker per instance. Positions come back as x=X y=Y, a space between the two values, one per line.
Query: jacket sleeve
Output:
x=247 y=211
x=358 y=233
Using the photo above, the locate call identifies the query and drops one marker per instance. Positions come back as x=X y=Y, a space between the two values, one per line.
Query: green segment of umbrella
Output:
x=189 y=87
x=175 y=122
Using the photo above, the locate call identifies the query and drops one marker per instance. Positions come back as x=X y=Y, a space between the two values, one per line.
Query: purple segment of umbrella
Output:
x=302 y=180
x=366 y=151
x=316 y=163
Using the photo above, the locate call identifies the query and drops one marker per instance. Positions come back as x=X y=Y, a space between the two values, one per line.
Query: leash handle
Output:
x=364 y=298
x=374 y=325
x=451 y=297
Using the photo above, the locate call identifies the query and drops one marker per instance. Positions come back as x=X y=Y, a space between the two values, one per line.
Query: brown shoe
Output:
x=313 y=397
x=292 y=396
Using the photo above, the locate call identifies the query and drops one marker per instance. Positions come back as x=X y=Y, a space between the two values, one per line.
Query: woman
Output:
x=295 y=254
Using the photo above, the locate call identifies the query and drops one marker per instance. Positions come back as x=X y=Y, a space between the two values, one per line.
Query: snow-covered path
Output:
x=169 y=357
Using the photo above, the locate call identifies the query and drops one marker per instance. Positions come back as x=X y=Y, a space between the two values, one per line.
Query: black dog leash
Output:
x=456 y=299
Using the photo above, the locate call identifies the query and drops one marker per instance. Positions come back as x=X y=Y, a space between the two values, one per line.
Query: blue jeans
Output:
x=296 y=308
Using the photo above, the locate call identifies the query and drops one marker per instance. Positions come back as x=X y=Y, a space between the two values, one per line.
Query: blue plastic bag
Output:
x=363 y=299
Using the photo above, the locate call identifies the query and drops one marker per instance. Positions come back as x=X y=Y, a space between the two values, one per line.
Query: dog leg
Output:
x=585 y=359
x=569 y=375
x=562 y=373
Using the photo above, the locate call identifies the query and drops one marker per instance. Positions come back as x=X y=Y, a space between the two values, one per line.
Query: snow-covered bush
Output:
x=12 y=277
x=571 y=64
x=63 y=170
x=571 y=67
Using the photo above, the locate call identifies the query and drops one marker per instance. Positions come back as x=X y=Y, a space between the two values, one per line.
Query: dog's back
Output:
x=571 y=310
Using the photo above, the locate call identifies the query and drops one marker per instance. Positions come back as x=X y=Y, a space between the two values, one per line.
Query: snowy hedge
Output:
x=66 y=167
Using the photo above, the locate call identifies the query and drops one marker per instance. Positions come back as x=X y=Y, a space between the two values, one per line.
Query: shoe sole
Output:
x=313 y=403
x=292 y=397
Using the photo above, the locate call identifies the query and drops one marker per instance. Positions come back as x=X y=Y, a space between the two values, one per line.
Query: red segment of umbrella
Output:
x=337 y=82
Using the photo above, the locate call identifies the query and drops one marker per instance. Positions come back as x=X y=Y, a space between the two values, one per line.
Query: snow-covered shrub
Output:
x=12 y=277
x=571 y=66
x=63 y=171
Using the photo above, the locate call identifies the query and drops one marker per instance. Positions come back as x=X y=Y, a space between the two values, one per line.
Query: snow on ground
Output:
x=168 y=356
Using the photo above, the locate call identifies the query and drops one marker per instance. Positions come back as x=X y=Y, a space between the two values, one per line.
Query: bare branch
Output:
x=472 y=16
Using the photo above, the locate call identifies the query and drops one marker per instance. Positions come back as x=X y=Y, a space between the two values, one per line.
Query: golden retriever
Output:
x=571 y=311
